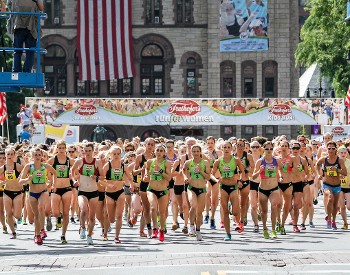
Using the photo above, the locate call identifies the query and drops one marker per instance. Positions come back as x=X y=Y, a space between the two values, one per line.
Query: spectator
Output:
x=25 y=32
x=25 y=134
x=25 y=116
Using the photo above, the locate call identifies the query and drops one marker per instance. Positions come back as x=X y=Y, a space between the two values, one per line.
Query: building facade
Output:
x=176 y=54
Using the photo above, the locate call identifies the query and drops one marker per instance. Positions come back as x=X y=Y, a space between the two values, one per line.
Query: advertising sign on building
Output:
x=183 y=112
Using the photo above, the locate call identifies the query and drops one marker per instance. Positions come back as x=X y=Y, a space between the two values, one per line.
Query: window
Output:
x=186 y=132
x=120 y=87
x=93 y=87
x=191 y=83
x=184 y=11
x=249 y=132
x=270 y=131
x=269 y=87
x=228 y=79
x=53 y=10
x=152 y=71
x=248 y=87
x=153 y=11
x=55 y=71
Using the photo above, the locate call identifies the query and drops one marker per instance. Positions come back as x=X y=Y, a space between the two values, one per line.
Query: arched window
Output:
x=249 y=79
x=191 y=62
x=55 y=71
x=269 y=78
x=228 y=79
x=152 y=70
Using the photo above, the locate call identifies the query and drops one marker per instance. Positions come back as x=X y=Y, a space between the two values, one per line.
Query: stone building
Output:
x=183 y=38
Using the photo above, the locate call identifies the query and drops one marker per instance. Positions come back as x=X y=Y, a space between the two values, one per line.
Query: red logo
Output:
x=86 y=110
x=69 y=132
x=280 y=110
x=184 y=108
x=338 y=130
x=61 y=167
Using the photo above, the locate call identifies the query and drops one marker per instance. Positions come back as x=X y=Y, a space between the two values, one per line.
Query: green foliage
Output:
x=325 y=41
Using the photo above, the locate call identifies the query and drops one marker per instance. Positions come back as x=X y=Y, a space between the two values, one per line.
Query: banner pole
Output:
x=8 y=130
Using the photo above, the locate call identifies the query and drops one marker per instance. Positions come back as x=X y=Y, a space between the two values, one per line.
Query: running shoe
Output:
x=266 y=234
x=334 y=226
x=212 y=224
x=227 y=237
x=149 y=234
x=245 y=221
x=130 y=224
x=192 y=232
x=109 y=229
x=82 y=233
x=182 y=216
x=161 y=235
x=256 y=228
x=48 y=224
x=174 y=227
x=329 y=224
x=102 y=232
x=143 y=234
x=302 y=227
x=296 y=229
x=63 y=240
x=312 y=225
x=24 y=222
x=345 y=226
x=185 y=230
x=38 y=240
x=13 y=236
x=116 y=240
x=206 y=219
x=59 y=221
x=105 y=238
x=283 y=231
x=72 y=221
x=315 y=201
x=19 y=221
x=240 y=227
x=222 y=225
x=89 y=240
x=4 y=230
x=273 y=234
x=278 y=227
x=43 y=234
x=134 y=220
x=199 y=236
x=155 y=233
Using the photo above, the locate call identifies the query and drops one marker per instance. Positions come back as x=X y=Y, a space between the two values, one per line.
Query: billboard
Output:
x=243 y=25
x=192 y=112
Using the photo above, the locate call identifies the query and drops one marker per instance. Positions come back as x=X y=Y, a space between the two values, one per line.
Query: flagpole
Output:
x=8 y=130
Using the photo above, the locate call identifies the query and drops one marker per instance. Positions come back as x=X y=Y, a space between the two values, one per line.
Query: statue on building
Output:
x=99 y=134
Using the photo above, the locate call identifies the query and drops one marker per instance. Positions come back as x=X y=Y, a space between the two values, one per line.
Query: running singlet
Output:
x=300 y=166
x=344 y=182
x=115 y=173
x=215 y=155
x=11 y=174
x=155 y=175
x=228 y=169
x=88 y=169
x=286 y=167
x=194 y=172
x=245 y=161
x=39 y=175
x=327 y=166
x=61 y=169
x=270 y=170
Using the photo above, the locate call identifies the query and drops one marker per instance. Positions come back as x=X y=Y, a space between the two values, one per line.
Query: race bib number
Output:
x=10 y=175
x=331 y=173
x=344 y=182
x=270 y=171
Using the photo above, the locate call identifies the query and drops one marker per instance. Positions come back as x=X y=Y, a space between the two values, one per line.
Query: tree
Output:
x=14 y=100
x=325 y=41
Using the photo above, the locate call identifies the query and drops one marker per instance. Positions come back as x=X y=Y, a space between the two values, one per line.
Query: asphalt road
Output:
x=313 y=251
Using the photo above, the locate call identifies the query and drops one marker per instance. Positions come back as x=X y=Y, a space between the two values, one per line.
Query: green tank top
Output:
x=228 y=169
x=116 y=173
x=195 y=174
x=155 y=175
x=39 y=175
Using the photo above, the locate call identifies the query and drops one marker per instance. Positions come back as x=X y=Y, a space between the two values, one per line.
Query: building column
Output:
x=70 y=78
x=259 y=82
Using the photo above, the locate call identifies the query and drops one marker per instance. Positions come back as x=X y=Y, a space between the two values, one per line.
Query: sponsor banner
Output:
x=38 y=135
x=72 y=135
x=243 y=25
x=338 y=131
x=56 y=132
x=183 y=112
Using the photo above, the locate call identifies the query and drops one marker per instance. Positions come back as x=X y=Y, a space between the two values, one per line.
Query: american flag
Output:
x=3 y=108
x=105 y=39
x=347 y=99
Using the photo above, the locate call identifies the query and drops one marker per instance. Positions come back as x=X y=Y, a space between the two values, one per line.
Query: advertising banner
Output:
x=338 y=131
x=243 y=25
x=183 y=112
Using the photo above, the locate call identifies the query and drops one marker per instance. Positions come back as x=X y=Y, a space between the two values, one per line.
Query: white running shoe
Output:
x=89 y=240
x=82 y=233
x=199 y=236
x=192 y=232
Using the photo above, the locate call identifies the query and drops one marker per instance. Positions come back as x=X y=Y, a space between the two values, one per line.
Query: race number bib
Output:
x=344 y=182
x=331 y=173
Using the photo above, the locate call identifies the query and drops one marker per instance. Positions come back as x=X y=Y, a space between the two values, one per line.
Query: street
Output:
x=313 y=251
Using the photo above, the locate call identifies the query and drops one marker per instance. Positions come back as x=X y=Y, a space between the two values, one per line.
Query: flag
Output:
x=3 y=108
x=347 y=99
x=105 y=39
